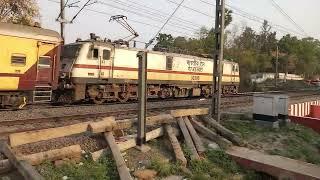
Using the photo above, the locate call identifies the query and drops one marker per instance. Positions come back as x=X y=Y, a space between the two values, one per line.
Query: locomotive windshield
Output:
x=71 y=51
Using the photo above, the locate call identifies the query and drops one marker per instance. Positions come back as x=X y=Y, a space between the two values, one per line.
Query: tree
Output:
x=164 y=41
x=267 y=39
x=18 y=11
x=228 y=17
x=247 y=40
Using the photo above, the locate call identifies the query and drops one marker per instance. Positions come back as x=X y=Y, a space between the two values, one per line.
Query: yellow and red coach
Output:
x=29 y=61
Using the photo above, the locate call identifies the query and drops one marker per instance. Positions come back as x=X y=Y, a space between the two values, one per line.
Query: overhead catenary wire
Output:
x=137 y=21
x=192 y=9
x=255 y=18
x=151 y=40
x=156 y=19
x=287 y=16
x=140 y=4
x=154 y=13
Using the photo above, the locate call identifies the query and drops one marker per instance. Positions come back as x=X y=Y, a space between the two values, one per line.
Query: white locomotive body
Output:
x=103 y=71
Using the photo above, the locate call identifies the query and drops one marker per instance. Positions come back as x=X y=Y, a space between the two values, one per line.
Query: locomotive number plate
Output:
x=195 y=78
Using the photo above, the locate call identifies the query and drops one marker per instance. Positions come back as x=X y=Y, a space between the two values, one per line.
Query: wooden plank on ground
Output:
x=208 y=133
x=17 y=139
x=150 y=120
x=24 y=168
x=189 y=112
x=106 y=124
x=223 y=131
x=69 y=152
x=133 y=142
x=195 y=137
x=277 y=166
x=176 y=146
x=188 y=139
x=121 y=165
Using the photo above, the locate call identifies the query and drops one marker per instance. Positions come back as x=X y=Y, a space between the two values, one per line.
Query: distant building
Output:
x=261 y=77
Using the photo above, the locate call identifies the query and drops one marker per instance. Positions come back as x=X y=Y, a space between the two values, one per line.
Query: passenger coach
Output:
x=29 y=64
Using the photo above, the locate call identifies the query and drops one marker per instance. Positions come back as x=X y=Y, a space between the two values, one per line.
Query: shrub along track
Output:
x=34 y=119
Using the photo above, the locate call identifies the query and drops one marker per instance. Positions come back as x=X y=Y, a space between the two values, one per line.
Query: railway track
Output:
x=120 y=111
x=86 y=104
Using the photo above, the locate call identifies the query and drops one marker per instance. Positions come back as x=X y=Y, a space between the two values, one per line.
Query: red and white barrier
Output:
x=302 y=109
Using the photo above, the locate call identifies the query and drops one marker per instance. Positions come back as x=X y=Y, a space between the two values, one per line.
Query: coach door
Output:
x=44 y=75
x=45 y=63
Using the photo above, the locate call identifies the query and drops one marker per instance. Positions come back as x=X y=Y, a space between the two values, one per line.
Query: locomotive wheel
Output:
x=164 y=93
x=206 y=93
x=123 y=97
x=99 y=99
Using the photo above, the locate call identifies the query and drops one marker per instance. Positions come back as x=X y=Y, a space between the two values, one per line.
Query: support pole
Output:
x=218 y=58
x=142 y=95
x=62 y=19
x=277 y=64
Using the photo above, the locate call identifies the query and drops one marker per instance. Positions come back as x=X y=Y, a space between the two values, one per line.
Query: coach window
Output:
x=106 y=54
x=169 y=62
x=44 y=62
x=18 y=59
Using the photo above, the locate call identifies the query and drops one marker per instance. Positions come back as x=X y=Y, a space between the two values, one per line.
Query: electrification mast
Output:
x=218 y=58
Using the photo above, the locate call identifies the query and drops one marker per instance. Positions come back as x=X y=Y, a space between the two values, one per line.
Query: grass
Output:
x=293 y=141
x=164 y=168
x=216 y=164
x=104 y=169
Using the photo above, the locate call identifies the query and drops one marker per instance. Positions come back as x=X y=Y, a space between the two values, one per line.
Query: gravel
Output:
x=94 y=143
x=93 y=109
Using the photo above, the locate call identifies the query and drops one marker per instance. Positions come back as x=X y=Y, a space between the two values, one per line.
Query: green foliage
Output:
x=201 y=46
x=303 y=144
x=20 y=12
x=105 y=169
x=207 y=169
x=221 y=159
x=164 y=168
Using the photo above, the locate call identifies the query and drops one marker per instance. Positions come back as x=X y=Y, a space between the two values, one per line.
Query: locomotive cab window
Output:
x=44 y=62
x=106 y=54
x=18 y=59
x=235 y=68
x=169 y=62
x=93 y=53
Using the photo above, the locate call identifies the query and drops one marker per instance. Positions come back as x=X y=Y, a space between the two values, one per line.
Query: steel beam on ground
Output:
x=142 y=95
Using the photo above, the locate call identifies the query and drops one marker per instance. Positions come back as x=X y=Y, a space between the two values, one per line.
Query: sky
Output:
x=147 y=16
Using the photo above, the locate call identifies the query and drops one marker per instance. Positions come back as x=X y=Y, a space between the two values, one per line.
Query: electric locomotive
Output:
x=100 y=71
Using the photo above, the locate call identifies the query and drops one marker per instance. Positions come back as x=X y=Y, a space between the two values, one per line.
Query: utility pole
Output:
x=218 y=58
x=277 y=63
x=142 y=96
x=62 y=19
